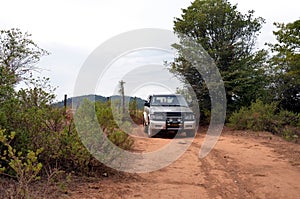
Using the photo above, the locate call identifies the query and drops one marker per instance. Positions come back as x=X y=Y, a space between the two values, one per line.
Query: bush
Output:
x=114 y=124
x=288 y=118
x=25 y=166
x=39 y=139
x=53 y=130
x=289 y=134
x=33 y=124
x=266 y=117
x=137 y=117
x=257 y=117
x=120 y=139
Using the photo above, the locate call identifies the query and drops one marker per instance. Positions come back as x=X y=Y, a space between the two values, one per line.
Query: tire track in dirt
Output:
x=223 y=178
x=182 y=179
x=260 y=172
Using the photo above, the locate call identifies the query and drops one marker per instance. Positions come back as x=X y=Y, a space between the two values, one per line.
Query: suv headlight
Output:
x=189 y=116
x=157 y=116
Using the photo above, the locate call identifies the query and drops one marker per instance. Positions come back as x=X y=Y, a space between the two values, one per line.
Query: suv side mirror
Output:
x=147 y=104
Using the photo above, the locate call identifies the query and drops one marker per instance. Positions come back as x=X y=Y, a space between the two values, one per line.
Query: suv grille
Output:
x=173 y=114
x=174 y=120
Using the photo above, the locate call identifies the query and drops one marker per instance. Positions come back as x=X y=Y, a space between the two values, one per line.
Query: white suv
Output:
x=163 y=113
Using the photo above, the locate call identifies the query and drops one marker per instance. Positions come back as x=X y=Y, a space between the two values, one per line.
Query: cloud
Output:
x=72 y=29
x=139 y=68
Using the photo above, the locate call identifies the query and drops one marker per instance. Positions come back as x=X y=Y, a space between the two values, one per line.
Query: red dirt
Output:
x=242 y=165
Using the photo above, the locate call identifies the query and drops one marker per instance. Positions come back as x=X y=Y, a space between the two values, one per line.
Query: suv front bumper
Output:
x=164 y=125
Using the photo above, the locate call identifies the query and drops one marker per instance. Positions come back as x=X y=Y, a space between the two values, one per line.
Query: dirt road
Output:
x=242 y=165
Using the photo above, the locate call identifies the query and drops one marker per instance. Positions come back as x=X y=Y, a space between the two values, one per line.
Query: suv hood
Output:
x=165 y=109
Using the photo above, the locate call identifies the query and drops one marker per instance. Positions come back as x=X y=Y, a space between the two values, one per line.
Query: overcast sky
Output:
x=71 y=29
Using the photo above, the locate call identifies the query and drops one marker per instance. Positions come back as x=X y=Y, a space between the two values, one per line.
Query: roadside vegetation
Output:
x=262 y=85
x=39 y=142
x=267 y=117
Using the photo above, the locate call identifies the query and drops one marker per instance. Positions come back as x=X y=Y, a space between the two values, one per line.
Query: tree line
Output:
x=250 y=75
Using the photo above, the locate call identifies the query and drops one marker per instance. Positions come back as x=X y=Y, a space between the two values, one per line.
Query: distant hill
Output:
x=78 y=99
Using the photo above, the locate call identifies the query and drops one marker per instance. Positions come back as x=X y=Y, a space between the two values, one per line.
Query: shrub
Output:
x=239 y=119
x=114 y=124
x=88 y=124
x=257 y=117
x=25 y=166
x=120 y=139
x=266 y=117
x=38 y=125
x=288 y=118
x=289 y=134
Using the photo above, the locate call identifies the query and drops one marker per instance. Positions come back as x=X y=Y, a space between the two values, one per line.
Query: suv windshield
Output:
x=168 y=100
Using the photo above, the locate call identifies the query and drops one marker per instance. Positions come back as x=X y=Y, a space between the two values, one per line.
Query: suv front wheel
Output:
x=150 y=131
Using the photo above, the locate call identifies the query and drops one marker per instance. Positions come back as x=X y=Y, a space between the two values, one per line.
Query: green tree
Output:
x=18 y=58
x=286 y=65
x=6 y=84
x=23 y=113
x=18 y=54
x=229 y=38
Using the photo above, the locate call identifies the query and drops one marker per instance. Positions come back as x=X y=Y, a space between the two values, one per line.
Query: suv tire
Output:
x=150 y=132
